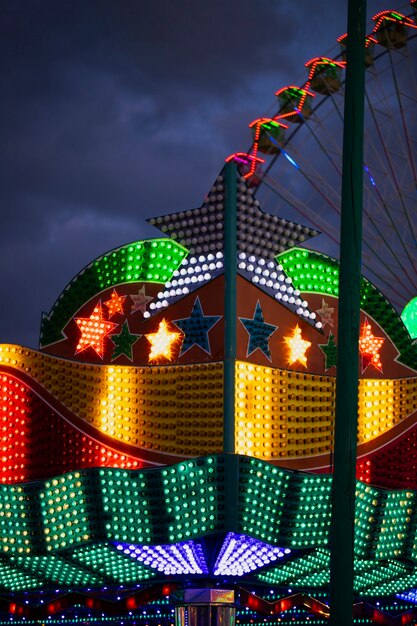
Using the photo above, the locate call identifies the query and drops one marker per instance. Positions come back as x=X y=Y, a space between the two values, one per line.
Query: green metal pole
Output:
x=230 y=275
x=346 y=421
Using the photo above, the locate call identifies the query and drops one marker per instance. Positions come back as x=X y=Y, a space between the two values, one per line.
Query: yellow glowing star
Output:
x=298 y=347
x=93 y=329
x=115 y=304
x=162 y=342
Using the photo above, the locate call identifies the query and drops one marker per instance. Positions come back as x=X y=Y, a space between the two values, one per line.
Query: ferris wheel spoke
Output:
x=396 y=297
x=301 y=208
x=371 y=250
x=311 y=177
x=337 y=108
x=394 y=180
x=411 y=71
x=405 y=102
x=325 y=151
x=401 y=109
x=323 y=225
x=371 y=224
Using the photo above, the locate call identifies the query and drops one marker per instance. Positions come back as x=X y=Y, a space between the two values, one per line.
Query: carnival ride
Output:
x=118 y=490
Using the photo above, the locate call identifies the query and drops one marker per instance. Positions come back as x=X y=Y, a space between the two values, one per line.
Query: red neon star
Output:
x=93 y=331
x=115 y=304
x=369 y=347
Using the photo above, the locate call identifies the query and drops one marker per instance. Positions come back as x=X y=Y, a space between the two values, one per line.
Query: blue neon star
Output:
x=259 y=332
x=196 y=328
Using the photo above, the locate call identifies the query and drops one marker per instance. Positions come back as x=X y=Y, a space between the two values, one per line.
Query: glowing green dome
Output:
x=409 y=317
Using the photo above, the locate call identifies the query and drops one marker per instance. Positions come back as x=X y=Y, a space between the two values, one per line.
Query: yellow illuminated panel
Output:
x=173 y=409
x=384 y=403
x=257 y=401
x=285 y=414
x=178 y=409
x=281 y=414
x=377 y=410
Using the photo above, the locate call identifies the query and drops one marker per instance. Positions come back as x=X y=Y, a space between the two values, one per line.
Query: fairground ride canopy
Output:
x=113 y=471
x=117 y=486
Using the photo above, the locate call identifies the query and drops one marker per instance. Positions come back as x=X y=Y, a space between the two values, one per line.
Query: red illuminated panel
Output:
x=38 y=443
x=15 y=413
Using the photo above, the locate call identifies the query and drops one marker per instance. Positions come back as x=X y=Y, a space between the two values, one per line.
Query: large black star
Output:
x=196 y=328
x=259 y=332
x=123 y=342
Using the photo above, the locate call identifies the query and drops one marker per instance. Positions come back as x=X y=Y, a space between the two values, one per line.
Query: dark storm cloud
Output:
x=115 y=110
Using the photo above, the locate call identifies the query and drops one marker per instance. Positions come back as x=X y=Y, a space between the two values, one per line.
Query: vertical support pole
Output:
x=230 y=274
x=346 y=422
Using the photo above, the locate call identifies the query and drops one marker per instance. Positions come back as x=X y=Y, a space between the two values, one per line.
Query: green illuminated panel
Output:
x=65 y=511
x=80 y=513
x=262 y=488
x=313 y=571
x=313 y=512
x=302 y=566
x=397 y=585
x=107 y=561
x=152 y=260
x=57 y=570
x=367 y=514
x=397 y=520
x=310 y=271
x=409 y=317
x=412 y=540
x=318 y=579
x=14 y=580
x=125 y=503
x=14 y=527
x=190 y=493
x=377 y=574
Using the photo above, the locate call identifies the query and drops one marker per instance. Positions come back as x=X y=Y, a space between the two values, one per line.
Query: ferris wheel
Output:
x=295 y=160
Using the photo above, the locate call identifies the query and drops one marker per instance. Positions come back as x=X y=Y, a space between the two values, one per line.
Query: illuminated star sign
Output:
x=196 y=328
x=115 y=304
x=94 y=330
x=329 y=350
x=369 y=347
x=140 y=300
x=297 y=346
x=123 y=342
x=162 y=342
x=326 y=313
x=259 y=332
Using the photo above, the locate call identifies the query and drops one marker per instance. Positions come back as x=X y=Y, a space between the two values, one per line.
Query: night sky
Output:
x=117 y=110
